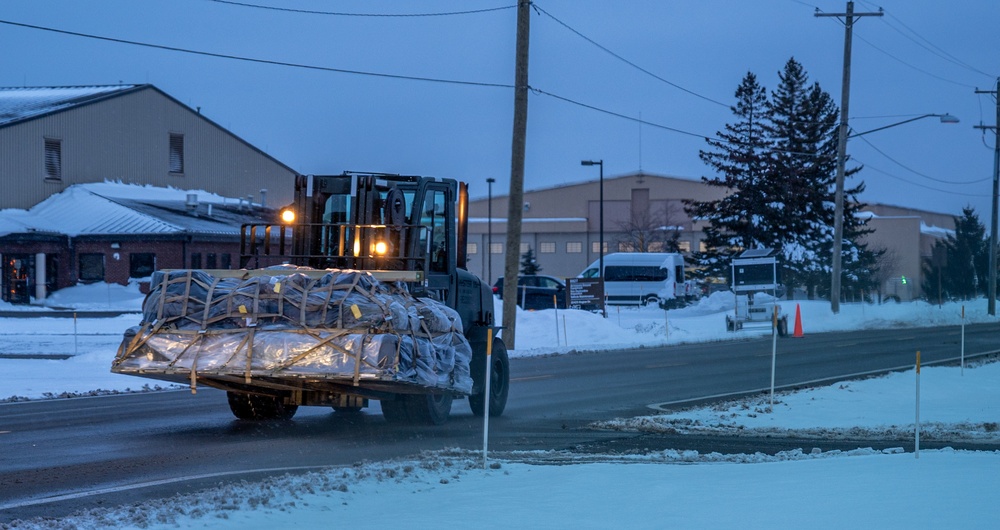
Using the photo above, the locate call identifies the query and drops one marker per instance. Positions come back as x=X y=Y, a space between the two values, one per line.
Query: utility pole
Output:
x=845 y=95
x=991 y=295
x=516 y=197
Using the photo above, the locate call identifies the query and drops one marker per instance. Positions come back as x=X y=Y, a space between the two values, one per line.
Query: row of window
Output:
x=576 y=247
x=142 y=264
x=53 y=156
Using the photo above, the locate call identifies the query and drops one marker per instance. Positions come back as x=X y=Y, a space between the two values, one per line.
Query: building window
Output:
x=196 y=260
x=141 y=264
x=53 y=159
x=210 y=261
x=702 y=247
x=574 y=247
x=91 y=268
x=657 y=246
x=524 y=248
x=684 y=246
x=547 y=248
x=176 y=153
x=227 y=261
x=496 y=248
x=471 y=248
x=595 y=247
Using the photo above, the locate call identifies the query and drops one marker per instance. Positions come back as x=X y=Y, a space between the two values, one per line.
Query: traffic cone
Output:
x=798 y=322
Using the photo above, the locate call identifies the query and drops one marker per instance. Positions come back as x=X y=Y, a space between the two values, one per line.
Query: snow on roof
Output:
x=20 y=103
x=935 y=231
x=117 y=208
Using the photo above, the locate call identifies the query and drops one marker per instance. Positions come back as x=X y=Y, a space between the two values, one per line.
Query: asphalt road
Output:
x=59 y=456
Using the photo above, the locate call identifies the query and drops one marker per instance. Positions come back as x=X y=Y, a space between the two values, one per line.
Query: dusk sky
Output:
x=597 y=68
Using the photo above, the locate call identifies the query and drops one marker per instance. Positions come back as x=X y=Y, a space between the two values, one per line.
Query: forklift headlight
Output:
x=381 y=247
x=288 y=216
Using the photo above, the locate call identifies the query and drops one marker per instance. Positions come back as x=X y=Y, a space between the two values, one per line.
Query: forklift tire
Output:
x=427 y=409
x=499 y=383
x=394 y=410
x=257 y=407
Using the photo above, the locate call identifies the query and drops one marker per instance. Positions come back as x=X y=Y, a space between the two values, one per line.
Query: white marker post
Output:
x=962 y=371
x=774 y=348
x=76 y=344
x=555 y=307
x=565 y=334
x=486 y=394
x=916 y=446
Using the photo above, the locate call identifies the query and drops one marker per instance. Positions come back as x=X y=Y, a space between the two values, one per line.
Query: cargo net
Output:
x=343 y=325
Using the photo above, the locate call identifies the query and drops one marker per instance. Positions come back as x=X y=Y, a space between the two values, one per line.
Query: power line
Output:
x=624 y=60
x=901 y=179
x=930 y=46
x=343 y=14
x=658 y=125
x=915 y=172
x=259 y=61
x=917 y=68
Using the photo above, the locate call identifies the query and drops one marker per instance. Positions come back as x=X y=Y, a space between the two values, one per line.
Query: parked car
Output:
x=535 y=291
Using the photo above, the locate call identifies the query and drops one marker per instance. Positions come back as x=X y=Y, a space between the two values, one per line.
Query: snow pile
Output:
x=956 y=404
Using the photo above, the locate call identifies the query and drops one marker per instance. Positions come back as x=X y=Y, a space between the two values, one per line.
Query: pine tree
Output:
x=966 y=261
x=528 y=263
x=804 y=121
x=740 y=157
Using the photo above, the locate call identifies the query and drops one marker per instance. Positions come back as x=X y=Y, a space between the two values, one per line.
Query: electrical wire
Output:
x=624 y=60
x=927 y=44
x=343 y=14
x=908 y=65
x=915 y=172
x=901 y=179
x=259 y=61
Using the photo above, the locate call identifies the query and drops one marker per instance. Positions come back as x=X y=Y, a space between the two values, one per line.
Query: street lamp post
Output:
x=838 y=235
x=600 y=243
x=489 y=230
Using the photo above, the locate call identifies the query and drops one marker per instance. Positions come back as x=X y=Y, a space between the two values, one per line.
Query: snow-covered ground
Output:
x=862 y=488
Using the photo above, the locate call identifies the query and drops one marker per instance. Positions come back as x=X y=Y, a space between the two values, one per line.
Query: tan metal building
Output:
x=54 y=137
x=561 y=226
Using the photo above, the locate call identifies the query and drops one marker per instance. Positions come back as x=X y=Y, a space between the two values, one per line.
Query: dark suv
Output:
x=535 y=291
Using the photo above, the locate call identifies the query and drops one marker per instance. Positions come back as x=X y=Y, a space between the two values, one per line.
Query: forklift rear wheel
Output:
x=259 y=407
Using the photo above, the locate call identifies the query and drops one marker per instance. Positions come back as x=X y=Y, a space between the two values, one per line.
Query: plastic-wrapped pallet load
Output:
x=344 y=325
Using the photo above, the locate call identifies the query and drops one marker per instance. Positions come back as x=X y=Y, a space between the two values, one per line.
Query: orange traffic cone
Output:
x=798 y=322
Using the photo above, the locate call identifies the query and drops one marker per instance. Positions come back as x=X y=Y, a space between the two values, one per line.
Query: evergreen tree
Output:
x=804 y=122
x=966 y=267
x=778 y=162
x=740 y=156
x=528 y=263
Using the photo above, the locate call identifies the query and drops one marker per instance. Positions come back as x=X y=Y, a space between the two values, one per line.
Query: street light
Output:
x=489 y=231
x=945 y=118
x=838 y=227
x=600 y=247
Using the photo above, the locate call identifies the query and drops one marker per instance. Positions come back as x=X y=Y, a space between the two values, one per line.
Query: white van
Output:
x=640 y=278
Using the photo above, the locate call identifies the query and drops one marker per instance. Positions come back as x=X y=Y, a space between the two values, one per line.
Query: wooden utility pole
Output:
x=516 y=196
x=845 y=95
x=991 y=295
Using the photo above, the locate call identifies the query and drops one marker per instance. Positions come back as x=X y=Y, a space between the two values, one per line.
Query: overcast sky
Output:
x=921 y=57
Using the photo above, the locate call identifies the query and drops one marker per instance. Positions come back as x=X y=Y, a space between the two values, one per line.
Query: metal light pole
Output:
x=489 y=232
x=991 y=294
x=600 y=247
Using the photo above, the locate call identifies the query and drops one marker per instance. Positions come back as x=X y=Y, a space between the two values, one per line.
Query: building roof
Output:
x=24 y=103
x=122 y=209
x=21 y=104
